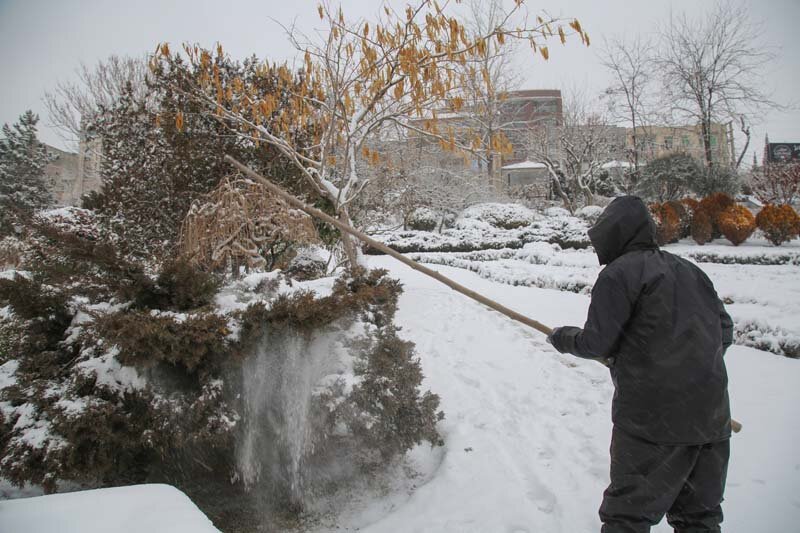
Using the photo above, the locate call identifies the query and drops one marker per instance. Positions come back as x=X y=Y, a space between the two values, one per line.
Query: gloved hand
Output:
x=556 y=340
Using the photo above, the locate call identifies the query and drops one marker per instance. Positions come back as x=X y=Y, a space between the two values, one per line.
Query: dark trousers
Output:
x=649 y=480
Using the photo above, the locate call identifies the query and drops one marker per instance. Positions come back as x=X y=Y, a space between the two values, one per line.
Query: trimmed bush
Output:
x=736 y=223
x=780 y=223
x=503 y=216
x=702 y=231
x=714 y=205
x=590 y=213
x=690 y=204
x=668 y=223
x=423 y=219
x=684 y=217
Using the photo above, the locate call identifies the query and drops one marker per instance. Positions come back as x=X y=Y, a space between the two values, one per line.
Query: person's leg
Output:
x=697 y=509
x=645 y=480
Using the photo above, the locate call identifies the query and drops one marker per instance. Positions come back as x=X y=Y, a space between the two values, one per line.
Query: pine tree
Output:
x=23 y=158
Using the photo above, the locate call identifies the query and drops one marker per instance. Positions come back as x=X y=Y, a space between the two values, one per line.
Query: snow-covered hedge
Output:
x=485 y=227
x=504 y=216
x=423 y=219
x=761 y=336
x=537 y=264
x=590 y=213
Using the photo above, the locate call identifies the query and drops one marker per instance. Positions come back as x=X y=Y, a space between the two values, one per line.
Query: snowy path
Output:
x=527 y=430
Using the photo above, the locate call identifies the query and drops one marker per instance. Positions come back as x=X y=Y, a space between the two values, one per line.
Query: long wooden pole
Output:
x=388 y=251
x=291 y=200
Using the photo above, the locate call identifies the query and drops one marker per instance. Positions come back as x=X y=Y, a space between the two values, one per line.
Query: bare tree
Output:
x=712 y=69
x=776 y=183
x=489 y=78
x=415 y=173
x=574 y=152
x=72 y=105
x=631 y=66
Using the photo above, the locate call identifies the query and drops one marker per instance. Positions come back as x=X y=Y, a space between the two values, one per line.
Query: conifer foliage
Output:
x=736 y=223
x=23 y=158
x=780 y=223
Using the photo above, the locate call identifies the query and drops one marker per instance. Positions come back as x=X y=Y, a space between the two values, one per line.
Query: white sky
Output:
x=43 y=42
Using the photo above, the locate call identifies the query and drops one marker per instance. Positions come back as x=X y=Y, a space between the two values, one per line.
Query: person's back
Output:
x=669 y=374
x=657 y=318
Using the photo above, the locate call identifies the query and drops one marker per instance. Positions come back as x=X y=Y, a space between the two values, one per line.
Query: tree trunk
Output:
x=587 y=195
x=705 y=130
x=349 y=245
x=560 y=192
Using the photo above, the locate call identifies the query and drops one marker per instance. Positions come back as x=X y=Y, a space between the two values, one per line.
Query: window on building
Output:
x=713 y=141
x=668 y=143
x=686 y=141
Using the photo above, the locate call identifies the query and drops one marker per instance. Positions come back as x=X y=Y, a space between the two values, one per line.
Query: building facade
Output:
x=658 y=141
x=70 y=175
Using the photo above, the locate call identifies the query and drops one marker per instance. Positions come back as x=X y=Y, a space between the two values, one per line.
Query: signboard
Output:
x=781 y=152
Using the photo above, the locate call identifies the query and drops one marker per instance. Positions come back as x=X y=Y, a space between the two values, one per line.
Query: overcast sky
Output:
x=43 y=42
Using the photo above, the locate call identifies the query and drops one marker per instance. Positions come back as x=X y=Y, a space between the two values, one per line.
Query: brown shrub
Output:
x=701 y=227
x=684 y=217
x=714 y=205
x=180 y=286
x=780 y=223
x=690 y=204
x=668 y=223
x=197 y=343
x=736 y=223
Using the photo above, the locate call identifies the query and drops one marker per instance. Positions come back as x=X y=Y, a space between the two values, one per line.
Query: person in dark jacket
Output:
x=657 y=321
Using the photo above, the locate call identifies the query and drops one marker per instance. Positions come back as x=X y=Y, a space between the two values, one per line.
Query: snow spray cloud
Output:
x=279 y=381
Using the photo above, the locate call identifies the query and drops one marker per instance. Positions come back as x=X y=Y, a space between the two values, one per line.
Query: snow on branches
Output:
x=241 y=222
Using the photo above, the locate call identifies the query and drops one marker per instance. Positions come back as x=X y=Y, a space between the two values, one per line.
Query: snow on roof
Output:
x=615 y=164
x=524 y=165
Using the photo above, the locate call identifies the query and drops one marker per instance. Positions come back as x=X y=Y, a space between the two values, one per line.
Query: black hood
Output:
x=624 y=226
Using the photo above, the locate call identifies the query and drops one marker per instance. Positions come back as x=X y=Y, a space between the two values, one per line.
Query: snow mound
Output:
x=556 y=212
x=134 y=509
x=506 y=216
x=590 y=213
x=494 y=226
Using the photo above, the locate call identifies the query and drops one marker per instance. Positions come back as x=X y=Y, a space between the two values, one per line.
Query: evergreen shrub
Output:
x=736 y=223
x=780 y=223
x=684 y=217
x=702 y=230
x=714 y=204
x=668 y=223
x=423 y=219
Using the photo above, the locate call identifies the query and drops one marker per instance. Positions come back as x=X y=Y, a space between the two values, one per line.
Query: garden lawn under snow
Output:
x=757 y=281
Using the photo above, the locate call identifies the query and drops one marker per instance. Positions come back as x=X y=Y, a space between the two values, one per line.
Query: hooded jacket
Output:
x=660 y=320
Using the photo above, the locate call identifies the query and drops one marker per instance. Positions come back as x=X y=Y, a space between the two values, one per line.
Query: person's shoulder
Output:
x=626 y=262
x=624 y=268
x=698 y=272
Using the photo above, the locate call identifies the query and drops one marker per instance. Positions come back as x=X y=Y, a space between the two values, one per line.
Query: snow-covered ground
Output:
x=134 y=509
x=527 y=429
x=763 y=297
